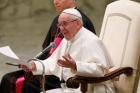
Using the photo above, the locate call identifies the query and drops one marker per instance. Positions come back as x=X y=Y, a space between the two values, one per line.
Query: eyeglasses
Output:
x=65 y=23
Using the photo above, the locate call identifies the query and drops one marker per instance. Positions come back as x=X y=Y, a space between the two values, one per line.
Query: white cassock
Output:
x=90 y=56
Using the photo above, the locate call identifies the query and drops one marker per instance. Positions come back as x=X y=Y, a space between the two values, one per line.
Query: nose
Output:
x=61 y=27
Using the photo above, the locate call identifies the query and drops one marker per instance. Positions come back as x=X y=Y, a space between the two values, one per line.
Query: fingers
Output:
x=68 y=58
x=68 y=62
x=33 y=66
x=25 y=68
x=61 y=63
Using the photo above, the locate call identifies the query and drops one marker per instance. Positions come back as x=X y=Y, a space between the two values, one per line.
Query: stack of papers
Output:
x=7 y=51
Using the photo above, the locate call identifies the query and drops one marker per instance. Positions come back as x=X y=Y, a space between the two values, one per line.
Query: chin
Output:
x=67 y=38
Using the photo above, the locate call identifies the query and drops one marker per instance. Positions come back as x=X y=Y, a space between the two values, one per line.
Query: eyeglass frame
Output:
x=65 y=23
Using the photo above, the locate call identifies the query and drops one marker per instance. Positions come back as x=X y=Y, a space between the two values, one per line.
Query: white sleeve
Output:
x=89 y=69
x=51 y=67
x=39 y=67
x=93 y=61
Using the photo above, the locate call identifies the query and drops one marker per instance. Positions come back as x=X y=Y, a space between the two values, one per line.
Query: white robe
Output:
x=90 y=57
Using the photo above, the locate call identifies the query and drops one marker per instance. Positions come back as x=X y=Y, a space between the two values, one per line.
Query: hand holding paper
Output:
x=7 y=51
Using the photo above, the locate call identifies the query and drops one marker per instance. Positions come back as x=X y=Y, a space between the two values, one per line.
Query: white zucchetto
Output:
x=73 y=12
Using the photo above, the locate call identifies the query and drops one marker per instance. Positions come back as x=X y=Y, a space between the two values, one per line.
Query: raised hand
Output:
x=67 y=62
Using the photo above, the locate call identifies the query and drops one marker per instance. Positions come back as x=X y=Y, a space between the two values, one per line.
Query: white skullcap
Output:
x=73 y=12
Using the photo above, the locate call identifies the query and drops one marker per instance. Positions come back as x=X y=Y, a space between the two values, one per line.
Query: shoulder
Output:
x=89 y=34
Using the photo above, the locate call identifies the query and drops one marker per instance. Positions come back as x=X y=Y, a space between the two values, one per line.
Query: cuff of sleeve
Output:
x=78 y=64
x=39 y=68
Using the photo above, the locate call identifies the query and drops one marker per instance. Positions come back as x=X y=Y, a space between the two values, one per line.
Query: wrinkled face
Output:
x=60 y=5
x=68 y=25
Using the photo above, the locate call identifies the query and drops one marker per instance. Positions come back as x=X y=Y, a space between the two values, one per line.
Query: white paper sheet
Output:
x=7 y=51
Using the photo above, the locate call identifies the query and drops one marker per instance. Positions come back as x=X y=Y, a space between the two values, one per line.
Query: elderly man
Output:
x=53 y=33
x=60 y=5
x=80 y=53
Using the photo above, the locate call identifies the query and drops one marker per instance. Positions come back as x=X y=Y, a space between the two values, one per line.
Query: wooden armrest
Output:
x=73 y=82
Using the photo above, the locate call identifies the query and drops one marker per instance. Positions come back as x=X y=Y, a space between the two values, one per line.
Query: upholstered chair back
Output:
x=120 y=33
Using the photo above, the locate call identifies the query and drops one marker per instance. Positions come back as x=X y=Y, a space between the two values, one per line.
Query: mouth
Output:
x=65 y=33
x=57 y=6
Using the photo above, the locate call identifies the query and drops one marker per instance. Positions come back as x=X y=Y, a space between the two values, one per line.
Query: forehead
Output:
x=64 y=17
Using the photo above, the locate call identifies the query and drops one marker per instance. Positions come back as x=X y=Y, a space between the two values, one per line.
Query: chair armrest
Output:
x=73 y=82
